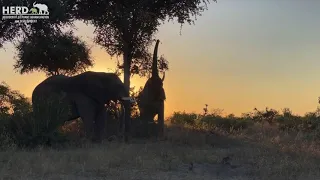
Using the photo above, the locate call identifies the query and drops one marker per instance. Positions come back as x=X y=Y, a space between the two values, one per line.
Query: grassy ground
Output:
x=257 y=153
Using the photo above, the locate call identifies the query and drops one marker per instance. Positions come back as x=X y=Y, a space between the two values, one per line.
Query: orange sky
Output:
x=238 y=56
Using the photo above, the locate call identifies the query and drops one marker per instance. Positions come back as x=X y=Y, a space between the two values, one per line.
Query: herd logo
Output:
x=23 y=14
x=43 y=9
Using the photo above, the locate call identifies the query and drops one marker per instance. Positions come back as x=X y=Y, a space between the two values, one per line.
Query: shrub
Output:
x=210 y=121
x=30 y=128
x=183 y=118
x=42 y=125
x=229 y=123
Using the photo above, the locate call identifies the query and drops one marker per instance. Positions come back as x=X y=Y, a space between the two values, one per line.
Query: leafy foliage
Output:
x=127 y=28
x=12 y=101
x=54 y=53
x=42 y=46
x=184 y=118
x=143 y=67
x=42 y=125
x=27 y=128
x=285 y=121
x=61 y=13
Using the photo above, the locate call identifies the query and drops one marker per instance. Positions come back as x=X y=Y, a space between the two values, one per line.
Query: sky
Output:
x=239 y=55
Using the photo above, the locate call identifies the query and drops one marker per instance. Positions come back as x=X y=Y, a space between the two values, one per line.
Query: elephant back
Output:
x=48 y=87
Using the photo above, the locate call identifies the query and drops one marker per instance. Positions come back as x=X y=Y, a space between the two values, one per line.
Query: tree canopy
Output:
x=122 y=27
x=61 y=14
x=42 y=46
x=12 y=101
x=127 y=27
x=53 y=53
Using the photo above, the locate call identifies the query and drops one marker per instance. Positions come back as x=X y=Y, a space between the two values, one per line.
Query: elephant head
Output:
x=100 y=86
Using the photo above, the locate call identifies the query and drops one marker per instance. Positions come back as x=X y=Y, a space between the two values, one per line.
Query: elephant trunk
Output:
x=155 y=72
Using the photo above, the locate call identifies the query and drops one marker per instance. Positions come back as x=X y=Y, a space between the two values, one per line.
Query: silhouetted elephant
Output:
x=86 y=93
x=151 y=98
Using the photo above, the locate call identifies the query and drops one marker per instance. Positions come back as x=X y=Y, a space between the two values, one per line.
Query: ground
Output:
x=186 y=154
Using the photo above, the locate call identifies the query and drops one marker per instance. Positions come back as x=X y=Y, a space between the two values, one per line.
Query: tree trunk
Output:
x=126 y=80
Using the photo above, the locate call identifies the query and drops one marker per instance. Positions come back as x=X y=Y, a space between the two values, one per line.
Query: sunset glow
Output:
x=239 y=55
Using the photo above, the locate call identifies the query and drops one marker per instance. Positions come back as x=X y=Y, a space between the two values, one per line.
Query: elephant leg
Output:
x=161 y=120
x=144 y=115
x=87 y=110
x=74 y=112
x=99 y=125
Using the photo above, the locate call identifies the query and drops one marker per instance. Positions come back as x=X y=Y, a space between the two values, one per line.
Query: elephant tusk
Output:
x=128 y=99
x=164 y=75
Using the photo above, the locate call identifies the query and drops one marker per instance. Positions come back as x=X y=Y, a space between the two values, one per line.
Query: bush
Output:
x=25 y=127
x=183 y=118
x=210 y=121
x=42 y=125
x=229 y=123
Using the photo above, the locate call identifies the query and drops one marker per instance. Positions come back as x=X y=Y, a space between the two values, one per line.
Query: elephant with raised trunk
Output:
x=151 y=98
x=86 y=94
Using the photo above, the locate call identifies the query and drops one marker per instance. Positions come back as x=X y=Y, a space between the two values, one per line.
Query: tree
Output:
x=12 y=101
x=127 y=27
x=42 y=46
x=8 y=31
x=60 y=15
x=54 y=53
x=143 y=67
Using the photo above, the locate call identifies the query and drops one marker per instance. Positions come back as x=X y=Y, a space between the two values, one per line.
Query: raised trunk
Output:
x=155 y=72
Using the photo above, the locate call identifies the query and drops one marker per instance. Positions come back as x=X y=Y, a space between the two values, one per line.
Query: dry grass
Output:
x=258 y=153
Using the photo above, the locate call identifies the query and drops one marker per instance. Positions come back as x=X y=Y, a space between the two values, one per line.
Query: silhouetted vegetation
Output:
x=60 y=17
x=20 y=125
x=284 y=121
x=54 y=53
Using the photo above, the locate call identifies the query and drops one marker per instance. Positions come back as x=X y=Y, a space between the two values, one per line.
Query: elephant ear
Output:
x=90 y=86
x=99 y=86
x=97 y=91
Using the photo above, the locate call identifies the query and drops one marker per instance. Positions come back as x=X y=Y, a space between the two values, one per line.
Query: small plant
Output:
x=269 y=115
x=205 y=110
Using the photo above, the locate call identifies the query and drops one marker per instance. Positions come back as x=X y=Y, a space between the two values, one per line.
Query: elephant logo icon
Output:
x=43 y=9
x=33 y=11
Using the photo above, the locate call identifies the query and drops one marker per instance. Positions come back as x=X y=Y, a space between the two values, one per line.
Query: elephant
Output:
x=34 y=11
x=151 y=99
x=86 y=94
x=43 y=9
